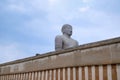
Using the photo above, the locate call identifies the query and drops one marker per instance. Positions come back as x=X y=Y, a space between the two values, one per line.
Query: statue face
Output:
x=68 y=30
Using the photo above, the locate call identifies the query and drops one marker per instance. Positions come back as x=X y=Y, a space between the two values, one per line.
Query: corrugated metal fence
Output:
x=102 y=72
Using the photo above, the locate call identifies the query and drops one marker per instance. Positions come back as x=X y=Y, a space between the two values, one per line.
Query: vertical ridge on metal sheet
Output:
x=118 y=72
x=39 y=75
x=54 y=74
x=109 y=74
x=36 y=75
x=58 y=74
x=26 y=77
x=2 y=77
x=74 y=73
x=114 y=72
x=63 y=73
x=8 y=77
x=18 y=78
x=100 y=72
x=21 y=76
x=71 y=73
x=96 y=72
x=5 y=77
x=42 y=75
x=83 y=73
x=32 y=75
x=13 y=76
x=46 y=75
x=105 y=72
x=29 y=77
x=80 y=73
x=50 y=77
x=93 y=72
x=68 y=72
x=77 y=76
x=66 y=76
x=86 y=73
x=89 y=72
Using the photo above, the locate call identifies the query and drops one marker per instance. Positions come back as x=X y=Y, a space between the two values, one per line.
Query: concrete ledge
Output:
x=97 y=53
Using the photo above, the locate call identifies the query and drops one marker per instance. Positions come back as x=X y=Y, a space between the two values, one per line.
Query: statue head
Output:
x=67 y=29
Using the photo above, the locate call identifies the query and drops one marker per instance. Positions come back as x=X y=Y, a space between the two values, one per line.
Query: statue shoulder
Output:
x=59 y=37
x=77 y=43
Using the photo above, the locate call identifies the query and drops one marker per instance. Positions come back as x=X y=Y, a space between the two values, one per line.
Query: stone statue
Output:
x=65 y=41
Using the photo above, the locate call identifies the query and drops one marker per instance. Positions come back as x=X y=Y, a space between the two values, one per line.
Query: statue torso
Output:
x=68 y=42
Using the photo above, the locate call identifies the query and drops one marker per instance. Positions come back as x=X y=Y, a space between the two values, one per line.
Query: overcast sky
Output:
x=28 y=27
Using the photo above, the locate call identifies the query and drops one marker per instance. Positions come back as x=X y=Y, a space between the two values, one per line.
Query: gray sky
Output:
x=28 y=27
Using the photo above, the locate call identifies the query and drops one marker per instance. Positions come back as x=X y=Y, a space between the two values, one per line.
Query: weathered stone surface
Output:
x=98 y=53
x=115 y=53
x=93 y=56
x=65 y=41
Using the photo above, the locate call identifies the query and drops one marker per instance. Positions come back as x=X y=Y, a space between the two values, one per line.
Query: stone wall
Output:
x=100 y=53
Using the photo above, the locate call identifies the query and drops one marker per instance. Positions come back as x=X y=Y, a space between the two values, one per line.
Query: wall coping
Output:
x=80 y=47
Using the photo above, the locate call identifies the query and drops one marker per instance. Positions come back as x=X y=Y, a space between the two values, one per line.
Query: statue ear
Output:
x=63 y=31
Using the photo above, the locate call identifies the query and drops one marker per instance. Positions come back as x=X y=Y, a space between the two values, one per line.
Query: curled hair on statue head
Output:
x=64 y=27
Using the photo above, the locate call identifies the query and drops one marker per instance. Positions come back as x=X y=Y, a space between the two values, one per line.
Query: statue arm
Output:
x=58 y=43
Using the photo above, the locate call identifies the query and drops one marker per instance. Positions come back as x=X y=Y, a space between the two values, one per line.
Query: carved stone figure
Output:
x=65 y=41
